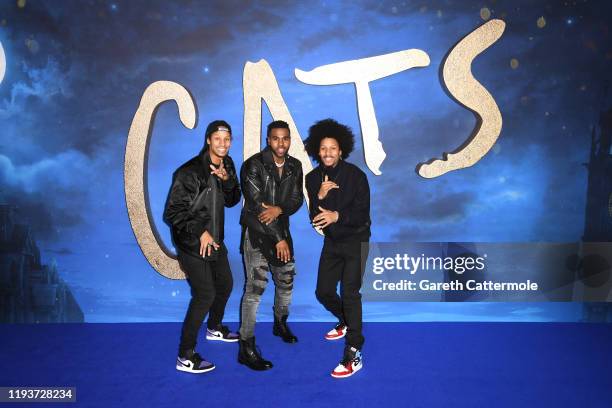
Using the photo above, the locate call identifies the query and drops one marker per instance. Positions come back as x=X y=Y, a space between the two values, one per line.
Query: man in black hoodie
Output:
x=195 y=212
x=339 y=196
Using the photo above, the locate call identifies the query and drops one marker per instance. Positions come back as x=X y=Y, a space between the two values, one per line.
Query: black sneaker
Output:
x=193 y=363
x=221 y=333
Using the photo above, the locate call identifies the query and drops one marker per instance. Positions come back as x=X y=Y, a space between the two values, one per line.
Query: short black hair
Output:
x=278 y=124
x=332 y=129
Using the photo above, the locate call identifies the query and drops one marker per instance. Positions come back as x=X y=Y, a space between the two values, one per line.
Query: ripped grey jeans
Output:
x=257 y=268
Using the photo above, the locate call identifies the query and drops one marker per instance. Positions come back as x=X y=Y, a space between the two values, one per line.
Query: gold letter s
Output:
x=462 y=85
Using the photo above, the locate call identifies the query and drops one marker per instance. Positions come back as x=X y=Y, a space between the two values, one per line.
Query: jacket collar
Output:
x=206 y=161
x=205 y=157
x=268 y=161
x=332 y=172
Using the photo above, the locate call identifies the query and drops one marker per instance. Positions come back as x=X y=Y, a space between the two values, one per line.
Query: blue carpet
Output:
x=405 y=364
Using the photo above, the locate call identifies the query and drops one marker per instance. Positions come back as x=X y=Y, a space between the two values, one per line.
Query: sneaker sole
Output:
x=254 y=369
x=215 y=338
x=335 y=338
x=190 y=371
x=346 y=375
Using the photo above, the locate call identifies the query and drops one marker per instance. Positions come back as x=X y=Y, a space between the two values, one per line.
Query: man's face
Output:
x=329 y=151
x=219 y=143
x=279 y=141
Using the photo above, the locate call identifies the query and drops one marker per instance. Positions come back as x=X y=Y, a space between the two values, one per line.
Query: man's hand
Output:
x=326 y=185
x=282 y=251
x=270 y=213
x=325 y=218
x=220 y=172
x=207 y=243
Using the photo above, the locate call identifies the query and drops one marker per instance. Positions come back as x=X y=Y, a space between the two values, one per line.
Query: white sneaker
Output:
x=194 y=364
x=222 y=333
x=350 y=364
x=337 y=332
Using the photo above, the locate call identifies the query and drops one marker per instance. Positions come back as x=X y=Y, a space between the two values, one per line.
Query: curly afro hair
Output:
x=332 y=129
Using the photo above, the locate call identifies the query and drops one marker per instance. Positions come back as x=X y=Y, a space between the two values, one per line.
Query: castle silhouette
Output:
x=30 y=292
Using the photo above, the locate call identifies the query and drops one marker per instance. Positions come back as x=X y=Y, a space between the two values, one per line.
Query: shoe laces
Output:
x=196 y=359
x=258 y=352
x=339 y=326
x=350 y=357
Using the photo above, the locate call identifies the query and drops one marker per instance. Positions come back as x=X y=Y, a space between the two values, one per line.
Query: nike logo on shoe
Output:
x=185 y=365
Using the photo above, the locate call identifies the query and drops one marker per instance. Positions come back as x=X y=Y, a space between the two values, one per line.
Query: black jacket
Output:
x=261 y=183
x=195 y=202
x=351 y=200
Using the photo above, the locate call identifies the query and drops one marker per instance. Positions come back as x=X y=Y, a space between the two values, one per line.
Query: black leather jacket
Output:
x=196 y=200
x=261 y=183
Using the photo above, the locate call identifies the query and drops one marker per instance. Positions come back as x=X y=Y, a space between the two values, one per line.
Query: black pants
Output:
x=211 y=284
x=345 y=263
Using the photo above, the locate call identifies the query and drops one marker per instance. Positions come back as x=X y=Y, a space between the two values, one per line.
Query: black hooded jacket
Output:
x=196 y=200
x=351 y=200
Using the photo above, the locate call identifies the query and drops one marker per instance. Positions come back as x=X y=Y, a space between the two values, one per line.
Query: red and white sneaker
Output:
x=337 y=332
x=350 y=364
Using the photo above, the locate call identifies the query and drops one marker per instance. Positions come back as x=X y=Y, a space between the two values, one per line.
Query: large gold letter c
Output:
x=136 y=155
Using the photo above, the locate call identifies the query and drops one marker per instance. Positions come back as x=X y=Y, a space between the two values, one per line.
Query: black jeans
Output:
x=343 y=262
x=211 y=284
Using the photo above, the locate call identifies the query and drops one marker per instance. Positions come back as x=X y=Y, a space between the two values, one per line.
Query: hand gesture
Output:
x=270 y=213
x=325 y=218
x=326 y=185
x=207 y=244
x=282 y=251
x=220 y=172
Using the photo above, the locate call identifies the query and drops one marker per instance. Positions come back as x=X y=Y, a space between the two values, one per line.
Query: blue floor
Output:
x=405 y=364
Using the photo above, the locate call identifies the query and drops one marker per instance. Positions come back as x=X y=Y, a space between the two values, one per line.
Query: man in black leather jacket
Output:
x=195 y=213
x=271 y=182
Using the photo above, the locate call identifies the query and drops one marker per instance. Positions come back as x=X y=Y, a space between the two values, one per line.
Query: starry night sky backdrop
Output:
x=76 y=72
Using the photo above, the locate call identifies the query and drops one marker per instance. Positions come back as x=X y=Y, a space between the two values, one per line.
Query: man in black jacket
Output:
x=271 y=182
x=339 y=196
x=195 y=212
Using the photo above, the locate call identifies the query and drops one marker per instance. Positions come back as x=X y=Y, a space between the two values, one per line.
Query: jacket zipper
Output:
x=253 y=184
x=214 y=211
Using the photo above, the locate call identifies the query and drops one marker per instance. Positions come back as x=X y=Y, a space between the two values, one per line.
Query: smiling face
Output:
x=279 y=141
x=329 y=152
x=219 y=143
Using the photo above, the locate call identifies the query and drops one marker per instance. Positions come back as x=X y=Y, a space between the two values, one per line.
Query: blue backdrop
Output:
x=76 y=71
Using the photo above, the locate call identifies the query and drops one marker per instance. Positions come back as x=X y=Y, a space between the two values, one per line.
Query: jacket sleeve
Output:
x=312 y=188
x=296 y=196
x=253 y=190
x=177 y=212
x=358 y=213
x=231 y=187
